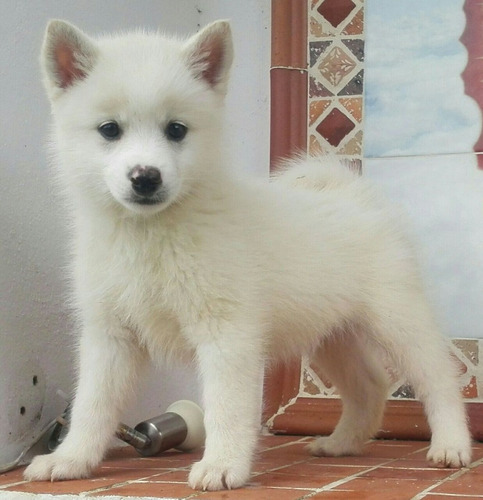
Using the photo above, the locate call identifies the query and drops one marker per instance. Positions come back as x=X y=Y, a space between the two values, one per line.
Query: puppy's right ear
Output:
x=68 y=55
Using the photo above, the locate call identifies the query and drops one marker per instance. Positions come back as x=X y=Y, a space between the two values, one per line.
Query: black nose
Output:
x=145 y=180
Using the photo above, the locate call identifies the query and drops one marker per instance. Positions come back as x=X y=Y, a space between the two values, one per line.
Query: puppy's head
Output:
x=136 y=116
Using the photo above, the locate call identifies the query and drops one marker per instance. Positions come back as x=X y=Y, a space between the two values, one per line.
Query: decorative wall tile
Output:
x=355 y=86
x=316 y=29
x=353 y=146
x=335 y=66
x=335 y=127
x=316 y=108
x=317 y=89
x=469 y=348
x=356 y=25
x=336 y=57
x=466 y=352
x=314 y=146
x=354 y=106
x=356 y=46
x=316 y=49
x=336 y=11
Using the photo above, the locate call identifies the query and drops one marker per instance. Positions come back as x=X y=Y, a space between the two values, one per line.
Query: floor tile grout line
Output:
x=161 y=471
x=11 y=485
x=458 y=496
x=455 y=475
x=298 y=462
x=309 y=489
x=334 y=484
x=311 y=459
x=330 y=486
x=140 y=480
x=115 y=485
x=281 y=467
x=284 y=445
x=314 y=463
x=411 y=468
x=158 y=482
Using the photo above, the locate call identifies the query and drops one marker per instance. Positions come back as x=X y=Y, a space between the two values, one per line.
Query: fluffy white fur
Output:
x=224 y=270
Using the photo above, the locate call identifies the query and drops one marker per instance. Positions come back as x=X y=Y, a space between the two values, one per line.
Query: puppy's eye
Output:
x=109 y=130
x=176 y=131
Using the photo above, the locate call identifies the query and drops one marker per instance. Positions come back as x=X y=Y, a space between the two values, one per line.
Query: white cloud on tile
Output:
x=443 y=199
x=415 y=101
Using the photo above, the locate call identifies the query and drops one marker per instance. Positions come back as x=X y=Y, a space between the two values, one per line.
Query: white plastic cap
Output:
x=192 y=414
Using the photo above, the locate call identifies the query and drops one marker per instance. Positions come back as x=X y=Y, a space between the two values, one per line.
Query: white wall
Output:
x=36 y=333
x=441 y=199
x=248 y=98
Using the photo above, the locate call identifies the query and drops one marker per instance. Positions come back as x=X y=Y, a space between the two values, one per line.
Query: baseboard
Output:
x=402 y=419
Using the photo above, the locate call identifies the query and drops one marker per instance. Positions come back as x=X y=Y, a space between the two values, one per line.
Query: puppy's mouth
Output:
x=147 y=200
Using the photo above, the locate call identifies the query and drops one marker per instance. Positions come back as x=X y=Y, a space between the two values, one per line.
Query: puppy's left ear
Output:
x=210 y=54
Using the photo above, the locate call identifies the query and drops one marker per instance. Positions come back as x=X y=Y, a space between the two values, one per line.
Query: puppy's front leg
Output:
x=108 y=366
x=232 y=374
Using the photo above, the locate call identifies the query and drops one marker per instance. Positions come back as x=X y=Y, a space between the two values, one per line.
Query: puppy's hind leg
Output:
x=423 y=356
x=350 y=363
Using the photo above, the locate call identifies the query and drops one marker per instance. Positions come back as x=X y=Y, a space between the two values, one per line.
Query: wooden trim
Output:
x=289 y=34
x=288 y=113
x=288 y=79
x=472 y=39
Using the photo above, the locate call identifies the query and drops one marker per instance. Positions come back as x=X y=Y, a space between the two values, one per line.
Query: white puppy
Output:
x=175 y=256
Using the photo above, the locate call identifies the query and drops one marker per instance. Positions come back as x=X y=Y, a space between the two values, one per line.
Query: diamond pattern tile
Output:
x=356 y=46
x=354 y=106
x=335 y=126
x=316 y=49
x=335 y=11
x=336 y=72
x=353 y=148
x=317 y=89
x=355 y=86
x=336 y=66
x=355 y=27
x=314 y=145
x=317 y=108
x=315 y=28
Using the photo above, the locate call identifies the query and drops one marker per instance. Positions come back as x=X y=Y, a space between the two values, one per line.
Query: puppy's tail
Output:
x=317 y=173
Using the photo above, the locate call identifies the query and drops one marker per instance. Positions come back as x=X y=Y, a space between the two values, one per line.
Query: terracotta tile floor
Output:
x=389 y=470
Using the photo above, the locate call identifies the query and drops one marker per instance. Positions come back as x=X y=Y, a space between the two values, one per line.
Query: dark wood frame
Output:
x=472 y=38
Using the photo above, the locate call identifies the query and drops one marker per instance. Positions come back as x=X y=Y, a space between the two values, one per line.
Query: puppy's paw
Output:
x=56 y=467
x=215 y=475
x=328 y=446
x=449 y=456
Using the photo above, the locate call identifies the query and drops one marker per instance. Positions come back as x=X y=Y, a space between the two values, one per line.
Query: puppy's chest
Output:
x=148 y=278
x=162 y=282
